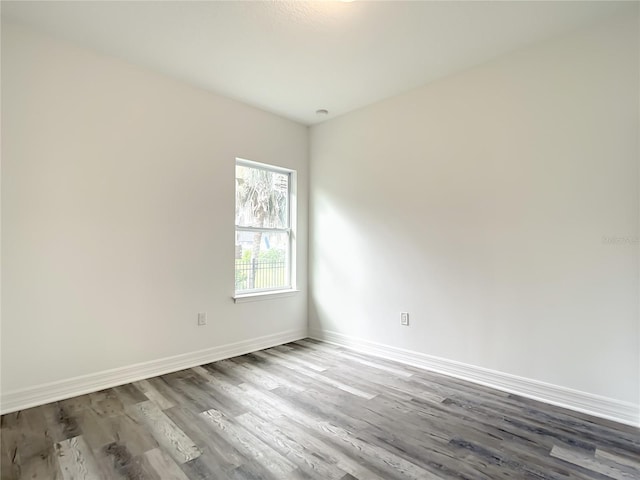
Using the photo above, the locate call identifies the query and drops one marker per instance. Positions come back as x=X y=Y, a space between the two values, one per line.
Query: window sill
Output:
x=259 y=296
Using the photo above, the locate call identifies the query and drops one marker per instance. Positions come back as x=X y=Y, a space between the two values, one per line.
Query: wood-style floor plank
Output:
x=77 y=461
x=173 y=440
x=164 y=465
x=589 y=462
x=311 y=410
x=275 y=437
x=154 y=395
x=250 y=445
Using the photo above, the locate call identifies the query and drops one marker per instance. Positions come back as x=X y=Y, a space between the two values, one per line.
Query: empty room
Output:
x=331 y=240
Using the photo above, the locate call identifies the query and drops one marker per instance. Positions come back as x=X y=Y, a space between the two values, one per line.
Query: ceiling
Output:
x=293 y=58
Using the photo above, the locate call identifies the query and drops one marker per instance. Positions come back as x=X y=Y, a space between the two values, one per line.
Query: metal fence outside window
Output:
x=260 y=274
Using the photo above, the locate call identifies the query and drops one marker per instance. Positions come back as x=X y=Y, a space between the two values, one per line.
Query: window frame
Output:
x=290 y=231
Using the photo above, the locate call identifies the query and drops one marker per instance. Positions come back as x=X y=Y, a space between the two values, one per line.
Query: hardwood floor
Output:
x=310 y=410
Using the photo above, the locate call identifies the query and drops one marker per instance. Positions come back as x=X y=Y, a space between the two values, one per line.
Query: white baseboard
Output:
x=51 y=392
x=609 y=408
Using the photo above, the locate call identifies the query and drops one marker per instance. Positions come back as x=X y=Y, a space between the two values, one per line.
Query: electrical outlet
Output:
x=404 y=319
x=202 y=318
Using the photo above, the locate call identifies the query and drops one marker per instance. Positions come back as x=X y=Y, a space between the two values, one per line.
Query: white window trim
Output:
x=264 y=295
x=291 y=289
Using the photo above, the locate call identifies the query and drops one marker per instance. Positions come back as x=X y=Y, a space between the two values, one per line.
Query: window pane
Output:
x=262 y=198
x=262 y=260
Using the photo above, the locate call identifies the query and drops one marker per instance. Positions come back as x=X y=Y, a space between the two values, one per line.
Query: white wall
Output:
x=479 y=204
x=118 y=213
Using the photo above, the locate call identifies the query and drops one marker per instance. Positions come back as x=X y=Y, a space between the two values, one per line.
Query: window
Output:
x=265 y=217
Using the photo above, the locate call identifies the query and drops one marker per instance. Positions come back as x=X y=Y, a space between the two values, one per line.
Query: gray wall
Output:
x=118 y=213
x=480 y=204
